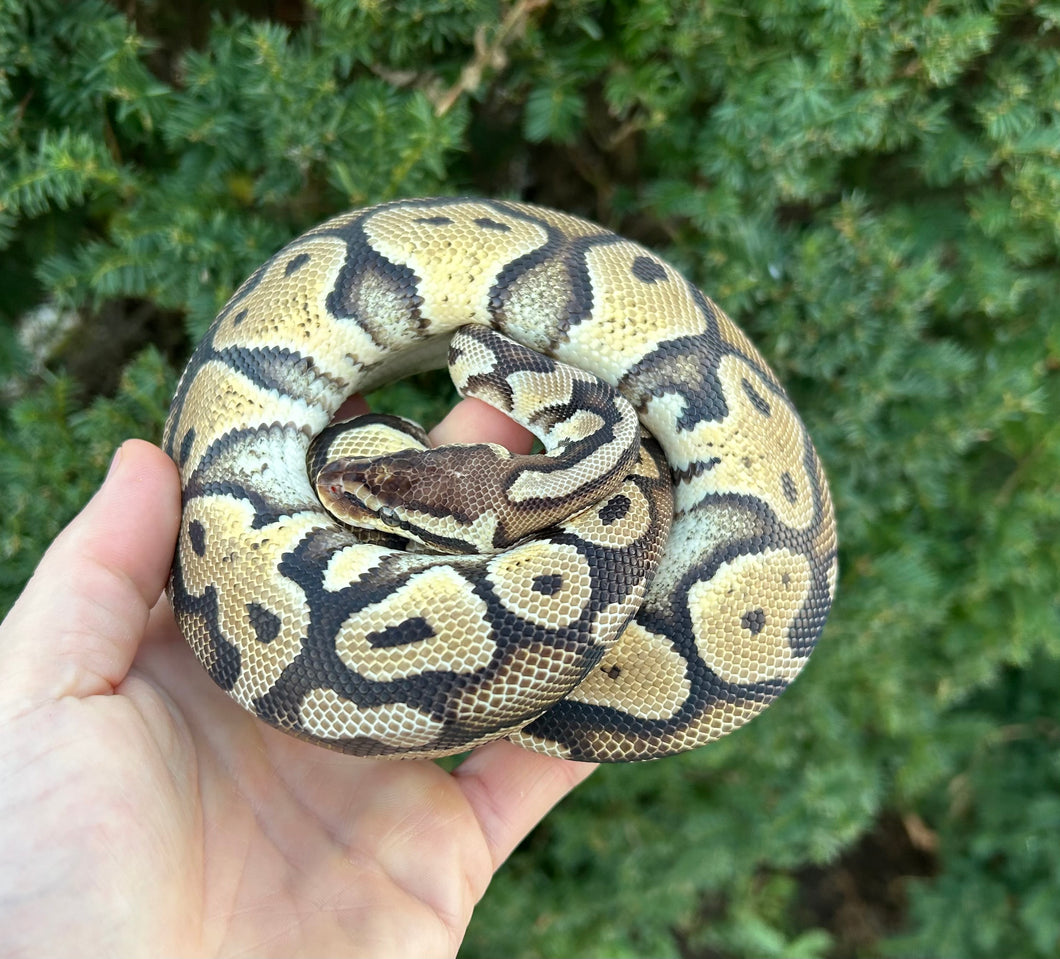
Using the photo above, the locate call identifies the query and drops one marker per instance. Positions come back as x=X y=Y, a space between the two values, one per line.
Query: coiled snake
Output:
x=545 y=598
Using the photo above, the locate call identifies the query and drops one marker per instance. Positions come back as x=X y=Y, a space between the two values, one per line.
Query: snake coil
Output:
x=650 y=581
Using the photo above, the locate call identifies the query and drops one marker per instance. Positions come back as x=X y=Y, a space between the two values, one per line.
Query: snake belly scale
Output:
x=335 y=592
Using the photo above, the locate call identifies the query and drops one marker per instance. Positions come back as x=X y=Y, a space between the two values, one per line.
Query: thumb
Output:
x=77 y=625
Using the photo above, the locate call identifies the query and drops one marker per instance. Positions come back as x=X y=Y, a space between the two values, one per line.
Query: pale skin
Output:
x=143 y=813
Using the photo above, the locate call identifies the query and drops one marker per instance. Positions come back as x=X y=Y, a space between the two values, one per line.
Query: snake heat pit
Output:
x=652 y=580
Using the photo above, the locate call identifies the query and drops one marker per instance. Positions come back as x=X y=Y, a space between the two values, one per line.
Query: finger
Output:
x=78 y=623
x=472 y=421
x=510 y=790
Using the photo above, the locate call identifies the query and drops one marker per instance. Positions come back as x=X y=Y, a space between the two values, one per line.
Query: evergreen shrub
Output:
x=870 y=187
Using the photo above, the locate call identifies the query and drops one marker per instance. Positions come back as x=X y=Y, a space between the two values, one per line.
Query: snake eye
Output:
x=388 y=515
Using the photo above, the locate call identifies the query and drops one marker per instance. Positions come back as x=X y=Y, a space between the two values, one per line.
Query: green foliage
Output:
x=871 y=189
x=999 y=819
x=54 y=451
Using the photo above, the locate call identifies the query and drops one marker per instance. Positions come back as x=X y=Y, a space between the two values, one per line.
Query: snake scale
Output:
x=649 y=580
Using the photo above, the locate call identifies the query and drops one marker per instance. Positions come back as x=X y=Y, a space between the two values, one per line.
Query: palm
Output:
x=148 y=814
x=303 y=850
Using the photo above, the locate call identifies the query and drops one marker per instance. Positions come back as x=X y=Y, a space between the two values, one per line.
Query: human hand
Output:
x=143 y=813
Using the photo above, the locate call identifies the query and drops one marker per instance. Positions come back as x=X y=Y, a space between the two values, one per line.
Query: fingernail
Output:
x=113 y=462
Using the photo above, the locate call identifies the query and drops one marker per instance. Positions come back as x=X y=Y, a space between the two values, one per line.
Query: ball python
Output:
x=651 y=578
